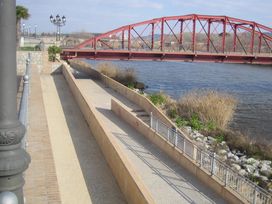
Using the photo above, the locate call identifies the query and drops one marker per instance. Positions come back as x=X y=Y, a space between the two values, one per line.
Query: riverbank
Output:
x=250 y=159
x=250 y=84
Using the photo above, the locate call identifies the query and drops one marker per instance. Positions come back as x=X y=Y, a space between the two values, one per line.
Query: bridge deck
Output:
x=82 y=172
x=166 y=180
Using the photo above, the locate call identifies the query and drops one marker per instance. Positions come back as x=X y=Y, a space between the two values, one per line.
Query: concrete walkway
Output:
x=41 y=185
x=166 y=180
x=83 y=174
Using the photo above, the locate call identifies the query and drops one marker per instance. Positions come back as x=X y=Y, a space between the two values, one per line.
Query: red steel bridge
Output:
x=189 y=38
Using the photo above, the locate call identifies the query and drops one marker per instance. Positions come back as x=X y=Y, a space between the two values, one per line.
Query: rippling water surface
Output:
x=250 y=84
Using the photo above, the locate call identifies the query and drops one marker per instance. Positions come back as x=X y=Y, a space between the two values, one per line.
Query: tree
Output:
x=21 y=13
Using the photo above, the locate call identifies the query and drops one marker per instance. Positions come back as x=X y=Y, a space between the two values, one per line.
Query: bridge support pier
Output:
x=13 y=159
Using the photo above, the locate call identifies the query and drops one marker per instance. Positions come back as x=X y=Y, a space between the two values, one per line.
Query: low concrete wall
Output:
x=127 y=178
x=174 y=153
x=133 y=96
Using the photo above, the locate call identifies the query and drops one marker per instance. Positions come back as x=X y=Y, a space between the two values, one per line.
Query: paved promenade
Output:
x=166 y=180
x=83 y=174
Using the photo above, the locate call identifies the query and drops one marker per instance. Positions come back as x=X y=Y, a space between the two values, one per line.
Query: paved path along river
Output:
x=167 y=181
x=83 y=174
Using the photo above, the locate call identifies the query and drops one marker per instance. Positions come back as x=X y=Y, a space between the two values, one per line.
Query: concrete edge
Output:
x=128 y=180
x=210 y=181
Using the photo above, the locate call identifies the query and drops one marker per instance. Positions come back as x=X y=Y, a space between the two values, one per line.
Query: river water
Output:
x=250 y=84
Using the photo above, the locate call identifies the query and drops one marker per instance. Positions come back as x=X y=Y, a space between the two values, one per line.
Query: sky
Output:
x=105 y=15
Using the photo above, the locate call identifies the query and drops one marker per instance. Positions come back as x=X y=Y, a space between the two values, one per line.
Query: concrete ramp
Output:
x=167 y=181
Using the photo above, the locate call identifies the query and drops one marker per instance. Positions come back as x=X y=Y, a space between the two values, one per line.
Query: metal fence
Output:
x=212 y=165
x=23 y=110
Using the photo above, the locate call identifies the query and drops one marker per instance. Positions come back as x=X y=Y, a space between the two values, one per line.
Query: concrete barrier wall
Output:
x=130 y=183
x=133 y=96
x=174 y=153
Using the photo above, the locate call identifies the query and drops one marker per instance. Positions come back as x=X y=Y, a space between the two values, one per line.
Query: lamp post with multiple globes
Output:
x=58 y=22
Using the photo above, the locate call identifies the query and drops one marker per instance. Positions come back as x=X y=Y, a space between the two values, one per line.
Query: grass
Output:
x=158 y=99
x=211 y=107
x=126 y=77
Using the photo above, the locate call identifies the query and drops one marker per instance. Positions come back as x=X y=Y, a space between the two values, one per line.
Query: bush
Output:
x=52 y=52
x=107 y=69
x=209 y=106
x=157 y=98
x=180 y=122
x=126 y=77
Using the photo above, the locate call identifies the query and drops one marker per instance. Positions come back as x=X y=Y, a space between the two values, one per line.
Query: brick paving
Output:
x=41 y=181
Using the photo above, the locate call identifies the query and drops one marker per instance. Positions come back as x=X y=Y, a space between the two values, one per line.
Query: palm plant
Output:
x=21 y=13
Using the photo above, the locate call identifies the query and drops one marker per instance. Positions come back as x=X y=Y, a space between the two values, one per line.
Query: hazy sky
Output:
x=105 y=15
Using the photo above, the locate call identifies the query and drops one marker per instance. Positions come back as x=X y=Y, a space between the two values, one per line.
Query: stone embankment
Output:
x=260 y=170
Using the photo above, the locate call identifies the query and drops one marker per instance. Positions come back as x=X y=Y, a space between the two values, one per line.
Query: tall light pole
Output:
x=36 y=31
x=58 y=22
x=13 y=159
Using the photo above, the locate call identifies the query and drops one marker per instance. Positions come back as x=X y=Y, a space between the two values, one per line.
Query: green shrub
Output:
x=157 y=98
x=172 y=112
x=52 y=52
x=195 y=123
x=219 y=138
x=180 y=122
x=28 y=48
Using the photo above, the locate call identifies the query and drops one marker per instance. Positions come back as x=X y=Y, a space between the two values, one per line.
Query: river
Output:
x=250 y=84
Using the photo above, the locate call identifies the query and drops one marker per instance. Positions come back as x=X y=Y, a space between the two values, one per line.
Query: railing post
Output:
x=151 y=120
x=184 y=144
x=176 y=138
x=168 y=134
x=157 y=125
x=226 y=177
x=23 y=111
x=201 y=157
x=213 y=164
x=255 y=195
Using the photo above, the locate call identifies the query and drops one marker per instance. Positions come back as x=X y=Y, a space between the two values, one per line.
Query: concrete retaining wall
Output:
x=127 y=178
x=174 y=153
x=133 y=96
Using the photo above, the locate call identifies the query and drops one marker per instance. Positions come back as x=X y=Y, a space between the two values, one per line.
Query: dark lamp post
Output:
x=13 y=159
x=58 y=22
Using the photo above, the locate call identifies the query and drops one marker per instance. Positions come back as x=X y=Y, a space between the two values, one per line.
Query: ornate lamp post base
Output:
x=13 y=159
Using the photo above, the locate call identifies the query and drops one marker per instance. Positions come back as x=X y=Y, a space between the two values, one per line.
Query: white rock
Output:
x=230 y=155
x=256 y=173
x=264 y=163
x=236 y=167
x=249 y=168
x=243 y=172
x=222 y=152
x=251 y=161
x=198 y=139
x=207 y=146
x=263 y=178
x=266 y=170
x=223 y=143
x=243 y=159
x=267 y=162
x=211 y=138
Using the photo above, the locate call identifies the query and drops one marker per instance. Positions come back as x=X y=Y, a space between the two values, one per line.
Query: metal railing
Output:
x=212 y=165
x=23 y=110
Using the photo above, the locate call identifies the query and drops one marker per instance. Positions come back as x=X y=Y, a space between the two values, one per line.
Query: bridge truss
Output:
x=185 y=38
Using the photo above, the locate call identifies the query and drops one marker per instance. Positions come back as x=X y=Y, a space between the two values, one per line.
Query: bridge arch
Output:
x=193 y=34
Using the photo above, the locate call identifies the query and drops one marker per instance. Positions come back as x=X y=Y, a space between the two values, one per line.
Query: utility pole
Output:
x=13 y=159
